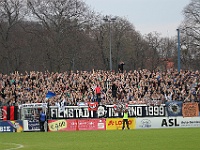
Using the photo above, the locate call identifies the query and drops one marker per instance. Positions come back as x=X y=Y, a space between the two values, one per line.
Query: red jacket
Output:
x=98 y=90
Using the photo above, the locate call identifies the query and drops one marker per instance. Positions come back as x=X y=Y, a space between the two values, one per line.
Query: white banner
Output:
x=167 y=122
x=31 y=125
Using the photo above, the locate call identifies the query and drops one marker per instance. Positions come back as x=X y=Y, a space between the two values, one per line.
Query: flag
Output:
x=190 y=109
x=174 y=108
x=92 y=106
x=9 y=113
x=50 y=95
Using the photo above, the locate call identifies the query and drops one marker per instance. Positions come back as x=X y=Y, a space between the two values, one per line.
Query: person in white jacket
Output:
x=168 y=96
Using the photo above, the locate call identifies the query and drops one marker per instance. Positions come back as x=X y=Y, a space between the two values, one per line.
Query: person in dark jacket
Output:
x=114 y=90
x=42 y=120
x=121 y=67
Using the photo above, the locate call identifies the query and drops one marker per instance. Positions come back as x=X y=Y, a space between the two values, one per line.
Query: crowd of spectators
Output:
x=71 y=88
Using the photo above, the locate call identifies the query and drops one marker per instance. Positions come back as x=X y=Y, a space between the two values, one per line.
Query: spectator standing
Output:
x=114 y=90
x=121 y=67
x=125 y=119
x=42 y=120
x=98 y=93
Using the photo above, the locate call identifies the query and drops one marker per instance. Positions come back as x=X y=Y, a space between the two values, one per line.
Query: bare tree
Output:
x=190 y=35
x=100 y=38
x=154 y=42
x=62 y=22
x=124 y=41
x=192 y=21
x=121 y=29
x=11 y=13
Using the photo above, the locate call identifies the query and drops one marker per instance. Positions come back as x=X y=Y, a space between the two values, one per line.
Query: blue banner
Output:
x=174 y=108
x=50 y=94
x=11 y=126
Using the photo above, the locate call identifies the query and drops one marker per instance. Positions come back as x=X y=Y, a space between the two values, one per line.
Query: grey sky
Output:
x=162 y=16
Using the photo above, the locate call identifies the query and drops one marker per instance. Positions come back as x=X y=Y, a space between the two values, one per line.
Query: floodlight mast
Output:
x=110 y=20
x=179 y=51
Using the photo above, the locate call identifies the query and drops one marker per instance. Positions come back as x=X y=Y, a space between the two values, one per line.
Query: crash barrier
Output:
x=61 y=125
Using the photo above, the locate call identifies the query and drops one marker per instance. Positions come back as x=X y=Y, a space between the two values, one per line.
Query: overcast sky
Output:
x=162 y=16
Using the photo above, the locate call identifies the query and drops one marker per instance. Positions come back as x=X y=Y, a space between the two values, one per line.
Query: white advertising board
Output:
x=31 y=125
x=167 y=122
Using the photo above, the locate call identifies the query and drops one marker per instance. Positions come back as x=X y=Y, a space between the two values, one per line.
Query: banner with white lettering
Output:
x=76 y=124
x=31 y=125
x=11 y=126
x=105 y=111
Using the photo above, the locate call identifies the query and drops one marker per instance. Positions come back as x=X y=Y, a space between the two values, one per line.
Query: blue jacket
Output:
x=42 y=117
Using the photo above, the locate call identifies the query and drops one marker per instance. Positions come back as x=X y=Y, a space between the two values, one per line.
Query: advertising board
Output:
x=91 y=124
x=31 y=125
x=116 y=123
x=11 y=126
x=167 y=122
x=62 y=125
x=76 y=124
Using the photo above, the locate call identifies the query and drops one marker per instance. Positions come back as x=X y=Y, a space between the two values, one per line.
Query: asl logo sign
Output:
x=169 y=123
